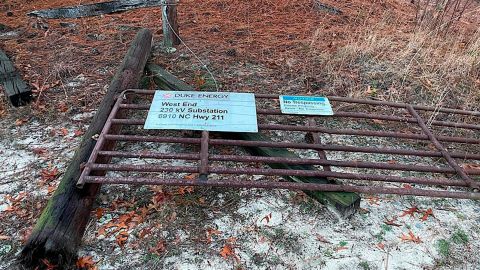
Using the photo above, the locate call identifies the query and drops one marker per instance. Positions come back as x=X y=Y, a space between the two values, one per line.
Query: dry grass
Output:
x=440 y=15
x=418 y=67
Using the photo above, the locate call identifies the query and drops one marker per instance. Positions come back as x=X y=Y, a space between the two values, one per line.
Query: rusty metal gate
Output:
x=368 y=146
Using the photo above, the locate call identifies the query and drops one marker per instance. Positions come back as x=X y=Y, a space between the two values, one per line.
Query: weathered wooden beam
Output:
x=59 y=230
x=318 y=5
x=345 y=203
x=170 y=23
x=165 y=80
x=94 y=9
x=15 y=88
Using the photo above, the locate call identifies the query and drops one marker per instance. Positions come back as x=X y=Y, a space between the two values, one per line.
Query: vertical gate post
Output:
x=170 y=23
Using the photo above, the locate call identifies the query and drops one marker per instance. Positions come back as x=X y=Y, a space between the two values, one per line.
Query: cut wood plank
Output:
x=15 y=88
x=94 y=9
x=60 y=228
x=345 y=203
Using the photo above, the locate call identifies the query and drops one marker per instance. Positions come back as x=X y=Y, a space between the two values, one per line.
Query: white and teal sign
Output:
x=194 y=110
x=305 y=105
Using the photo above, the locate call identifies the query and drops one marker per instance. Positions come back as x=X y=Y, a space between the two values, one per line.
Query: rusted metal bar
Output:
x=292 y=161
x=325 y=147
x=100 y=142
x=142 y=168
x=442 y=149
x=203 y=168
x=287 y=185
x=278 y=172
x=381 y=117
x=316 y=140
x=402 y=105
x=386 y=134
x=146 y=154
x=386 y=103
x=346 y=115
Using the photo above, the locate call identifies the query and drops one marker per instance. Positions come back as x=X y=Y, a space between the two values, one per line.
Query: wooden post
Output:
x=170 y=23
x=59 y=230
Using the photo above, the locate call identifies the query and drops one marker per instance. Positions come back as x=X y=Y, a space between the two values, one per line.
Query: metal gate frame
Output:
x=463 y=180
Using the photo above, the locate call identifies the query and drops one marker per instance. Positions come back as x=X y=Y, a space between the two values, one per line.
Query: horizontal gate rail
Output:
x=344 y=114
x=398 y=135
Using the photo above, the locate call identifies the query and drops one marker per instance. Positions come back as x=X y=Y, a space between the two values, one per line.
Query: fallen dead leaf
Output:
x=228 y=251
x=471 y=166
x=211 y=232
x=39 y=151
x=48 y=265
x=86 y=262
x=322 y=239
x=373 y=200
x=184 y=190
x=410 y=211
x=267 y=218
x=78 y=133
x=49 y=174
x=121 y=238
x=427 y=213
x=51 y=189
x=410 y=237
x=144 y=232
x=371 y=91
x=4 y=237
x=20 y=121
x=191 y=176
x=392 y=221
x=159 y=248
x=62 y=107
x=199 y=80
x=99 y=212
x=64 y=132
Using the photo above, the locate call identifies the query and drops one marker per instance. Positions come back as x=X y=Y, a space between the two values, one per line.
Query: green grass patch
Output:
x=364 y=265
x=443 y=247
x=459 y=237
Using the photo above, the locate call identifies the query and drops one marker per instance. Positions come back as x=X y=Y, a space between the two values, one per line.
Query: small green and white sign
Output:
x=305 y=105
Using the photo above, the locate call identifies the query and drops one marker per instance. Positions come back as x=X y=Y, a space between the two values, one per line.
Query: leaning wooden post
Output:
x=59 y=230
x=170 y=23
